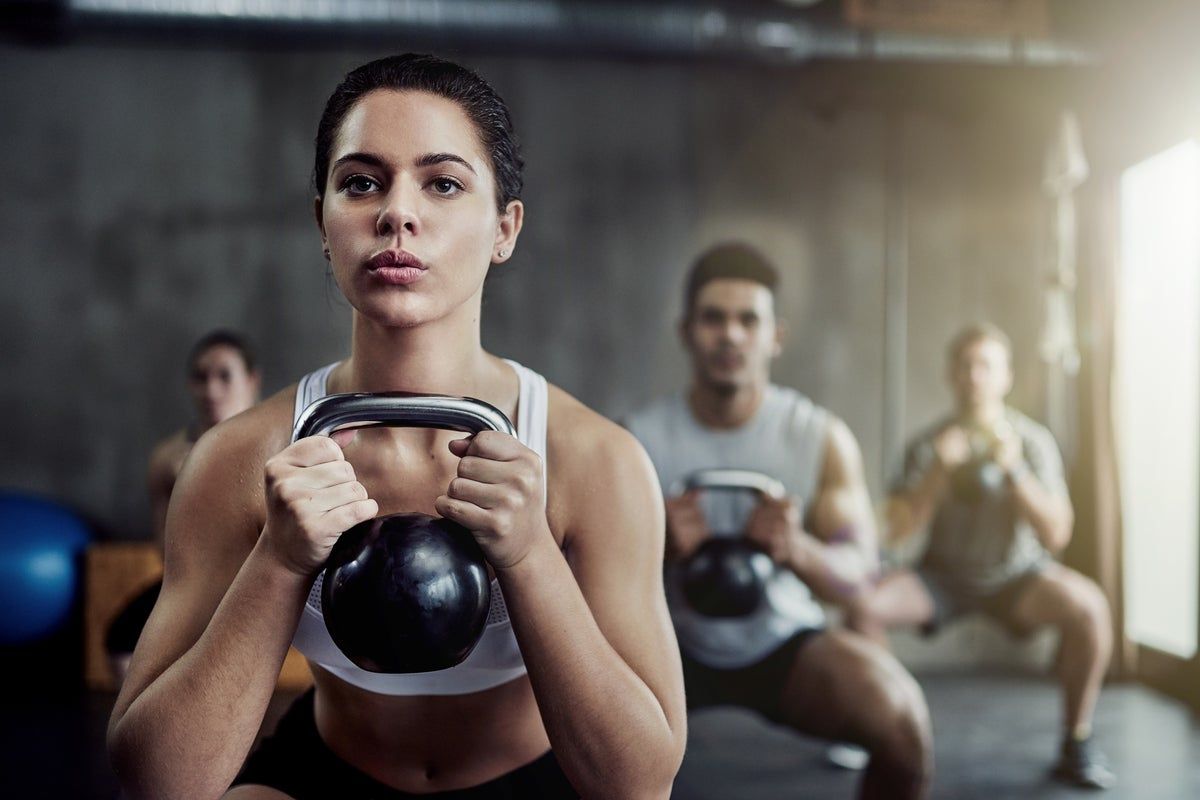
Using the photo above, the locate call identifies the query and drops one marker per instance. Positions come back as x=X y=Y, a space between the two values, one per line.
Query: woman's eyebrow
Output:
x=427 y=160
x=432 y=159
x=365 y=158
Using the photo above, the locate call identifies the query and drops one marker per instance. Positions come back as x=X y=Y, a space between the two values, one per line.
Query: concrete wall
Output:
x=152 y=194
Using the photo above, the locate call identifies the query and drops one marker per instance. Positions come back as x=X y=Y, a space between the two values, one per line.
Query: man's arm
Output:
x=927 y=471
x=838 y=558
x=1038 y=489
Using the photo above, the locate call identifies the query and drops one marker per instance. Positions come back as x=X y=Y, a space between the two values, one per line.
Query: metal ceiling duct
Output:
x=678 y=29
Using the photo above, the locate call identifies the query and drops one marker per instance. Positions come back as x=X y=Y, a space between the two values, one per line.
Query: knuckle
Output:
x=330 y=449
x=284 y=489
x=273 y=471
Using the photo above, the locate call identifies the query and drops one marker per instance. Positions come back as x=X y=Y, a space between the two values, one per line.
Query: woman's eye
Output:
x=359 y=184
x=447 y=186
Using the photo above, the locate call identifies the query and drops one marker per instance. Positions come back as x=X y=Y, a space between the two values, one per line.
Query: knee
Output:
x=1090 y=615
x=909 y=736
x=860 y=612
x=900 y=729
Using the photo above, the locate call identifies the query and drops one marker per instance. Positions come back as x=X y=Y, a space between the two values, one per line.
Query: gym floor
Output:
x=995 y=738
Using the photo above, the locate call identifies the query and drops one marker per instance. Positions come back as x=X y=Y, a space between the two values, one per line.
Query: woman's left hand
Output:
x=499 y=495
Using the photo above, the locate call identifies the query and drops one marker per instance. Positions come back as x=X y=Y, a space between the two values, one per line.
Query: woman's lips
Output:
x=396 y=267
x=397 y=276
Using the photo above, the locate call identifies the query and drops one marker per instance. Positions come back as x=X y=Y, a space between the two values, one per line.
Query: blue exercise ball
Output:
x=40 y=547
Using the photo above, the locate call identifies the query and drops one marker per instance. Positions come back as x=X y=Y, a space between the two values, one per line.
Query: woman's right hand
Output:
x=313 y=497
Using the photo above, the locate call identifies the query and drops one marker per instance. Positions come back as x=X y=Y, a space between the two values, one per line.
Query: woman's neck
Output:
x=444 y=356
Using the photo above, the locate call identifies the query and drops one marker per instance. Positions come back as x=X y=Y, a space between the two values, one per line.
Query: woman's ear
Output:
x=318 y=205
x=508 y=228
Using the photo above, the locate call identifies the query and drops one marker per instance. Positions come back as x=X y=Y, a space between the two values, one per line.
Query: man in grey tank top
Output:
x=780 y=660
x=988 y=484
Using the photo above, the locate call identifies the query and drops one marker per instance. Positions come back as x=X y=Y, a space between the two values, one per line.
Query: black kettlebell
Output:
x=409 y=592
x=727 y=575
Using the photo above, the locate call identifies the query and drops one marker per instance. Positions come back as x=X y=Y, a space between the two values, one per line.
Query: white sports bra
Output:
x=497 y=658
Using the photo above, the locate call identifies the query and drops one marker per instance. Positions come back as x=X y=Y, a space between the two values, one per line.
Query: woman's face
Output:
x=409 y=215
x=220 y=384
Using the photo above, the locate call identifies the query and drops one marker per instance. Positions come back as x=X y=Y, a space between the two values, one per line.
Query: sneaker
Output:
x=847 y=756
x=1082 y=764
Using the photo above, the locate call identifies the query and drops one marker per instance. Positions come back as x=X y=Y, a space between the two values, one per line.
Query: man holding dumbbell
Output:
x=781 y=660
x=988 y=483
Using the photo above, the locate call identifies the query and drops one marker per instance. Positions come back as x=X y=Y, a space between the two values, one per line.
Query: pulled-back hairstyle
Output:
x=728 y=260
x=223 y=338
x=425 y=73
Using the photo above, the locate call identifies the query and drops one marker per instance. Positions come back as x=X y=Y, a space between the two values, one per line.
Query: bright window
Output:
x=1157 y=397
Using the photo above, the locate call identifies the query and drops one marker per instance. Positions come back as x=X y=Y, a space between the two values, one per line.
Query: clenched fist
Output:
x=499 y=495
x=775 y=526
x=686 y=527
x=312 y=498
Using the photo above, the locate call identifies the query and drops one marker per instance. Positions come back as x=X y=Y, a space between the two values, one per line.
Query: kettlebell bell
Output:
x=727 y=575
x=404 y=593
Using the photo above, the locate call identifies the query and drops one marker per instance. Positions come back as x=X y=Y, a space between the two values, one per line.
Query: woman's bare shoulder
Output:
x=223 y=474
x=592 y=462
x=573 y=428
x=254 y=435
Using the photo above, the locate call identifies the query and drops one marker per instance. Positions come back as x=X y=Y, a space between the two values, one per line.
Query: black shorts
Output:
x=296 y=761
x=127 y=626
x=950 y=602
x=758 y=686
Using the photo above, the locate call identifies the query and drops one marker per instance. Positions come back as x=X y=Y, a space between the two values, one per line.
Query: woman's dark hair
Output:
x=223 y=338
x=424 y=73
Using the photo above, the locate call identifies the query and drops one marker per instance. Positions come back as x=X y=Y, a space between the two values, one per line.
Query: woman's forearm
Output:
x=608 y=729
x=188 y=732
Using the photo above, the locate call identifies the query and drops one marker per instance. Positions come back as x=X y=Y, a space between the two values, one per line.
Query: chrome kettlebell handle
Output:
x=399 y=410
x=730 y=479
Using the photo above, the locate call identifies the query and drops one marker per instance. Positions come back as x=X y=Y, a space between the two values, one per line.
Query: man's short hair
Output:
x=977 y=332
x=223 y=338
x=735 y=260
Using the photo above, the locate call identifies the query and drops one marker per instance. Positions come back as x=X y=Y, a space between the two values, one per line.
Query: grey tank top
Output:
x=784 y=439
x=497 y=658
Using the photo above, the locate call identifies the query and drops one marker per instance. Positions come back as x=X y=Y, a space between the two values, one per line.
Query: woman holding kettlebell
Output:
x=575 y=687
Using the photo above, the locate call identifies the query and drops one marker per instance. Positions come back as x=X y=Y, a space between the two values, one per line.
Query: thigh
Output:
x=901 y=599
x=1051 y=596
x=844 y=686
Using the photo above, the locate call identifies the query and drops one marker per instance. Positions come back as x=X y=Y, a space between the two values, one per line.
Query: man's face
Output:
x=731 y=334
x=220 y=384
x=981 y=374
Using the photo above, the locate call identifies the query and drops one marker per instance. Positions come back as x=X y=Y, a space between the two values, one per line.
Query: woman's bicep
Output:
x=210 y=530
x=615 y=547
